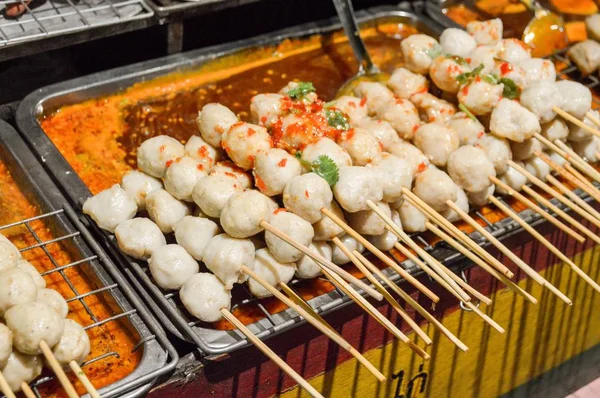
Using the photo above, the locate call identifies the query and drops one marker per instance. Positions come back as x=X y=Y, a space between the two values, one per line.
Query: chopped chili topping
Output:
x=282 y=163
x=219 y=129
x=465 y=90
x=203 y=152
x=200 y=166
x=422 y=167
x=260 y=184
x=505 y=68
x=363 y=101
x=306 y=194
x=263 y=120
x=169 y=162
x=251 y=132
x=228 y=174
x=480 y=134
x=162 y=148
x=279 y=210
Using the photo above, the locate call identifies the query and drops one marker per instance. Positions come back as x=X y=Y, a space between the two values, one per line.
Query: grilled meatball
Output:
x=457 y=42
x=362 y=147
x=74 y=344
x=355 y=187
x=204 y=295
x=537 y=167
x=470 y=168
x=21 y=368
x=17 y=287
x=394 y=174
x=381 y=130
x=526 y=149
x=243 y=141
x=432 y=108
x=271 y=271
x=592 y=23
x=586 y=55
x=32 y=323
x=212 y=193
x=28 y=268
x=557 y=129
x=540 y=98
x=435 y=187
x=306 y=268
x=110 y=207
x=5 y=344
x=266 y=108
x=9 y=255
x=230 y=170
x=242 y=215
x=386 y=240
x=155 y=153
x=204 y=153
x=193 y=233
x=405 y=83
x=480 y=97
x=444 y=71
x=138 y=185
x=513 y=179
x=481 y=198
x=483 y=55
x=556 y=158
x=413 y=155
x=577 y=134
x=588 y=149
x=54 y=300
x=224 y=256
x=402 y=115
x=139 y=238
x=213 y=121
x=165 y=210
x=297 y=228
x=538 y=70
x=171 y=266
x=469 y=130
x=513 y=51
x=367 y=222
x=376 y=95
x=437 y=142
x=418 y=51
x=462 y=201
x=337 y=255
x=353 y=107
x=413 y=220
x=486 y=32
x=577 y=98
x=325 y=228
x=497 y=149
x=513 y=72
x=514 y=122
x=326 y=146
x=306 y=195
x=181 y=178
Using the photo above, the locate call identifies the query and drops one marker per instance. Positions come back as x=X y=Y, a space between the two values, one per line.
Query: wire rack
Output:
x=46 y=18
x=103 y=286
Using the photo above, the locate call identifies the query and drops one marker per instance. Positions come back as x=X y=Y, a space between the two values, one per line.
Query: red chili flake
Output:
x=363 y=101
x=465 y=90
x=169 y=162
x=422 y=167
x=260 y=184
x=415 y=128
x=453 y=69
x=478 y=79
x=352 y=104
x=251 y=132
x=282 y=163
x=505 y=68
x=203 y=152
x=162 y=148
x=279 y=210
x=380 y=145
x=263 y=120
x=306 y=194
x=251 y=158
x=228 y=174
x=200 y=167
x=468 y=60
x=480 y=134
x=219 y=129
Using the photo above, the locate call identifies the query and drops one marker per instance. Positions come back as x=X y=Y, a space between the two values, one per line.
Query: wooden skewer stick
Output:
x=356 y=259
x=424 y=255
x=573 y=196
x=525 y=267
x=531 y=205
x=27 y=391
x=413 y=303
x=368 y=307
x=84 y=380
x=320 y=324
x=58 y=370
x=580 y=177
x=322 y=261
x=575 y=121
x=545 y=202
x=382 y=256
x=269 y=353
x=454 y=231
x=5 y=388
x=545 y=242
x=471 y=256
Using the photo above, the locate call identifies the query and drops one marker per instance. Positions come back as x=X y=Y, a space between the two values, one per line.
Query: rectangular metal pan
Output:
x=158 y=355
x=208 y=340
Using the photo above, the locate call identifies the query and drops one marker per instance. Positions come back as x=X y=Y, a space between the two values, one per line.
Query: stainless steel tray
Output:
x=158 y=355
x=169 y=311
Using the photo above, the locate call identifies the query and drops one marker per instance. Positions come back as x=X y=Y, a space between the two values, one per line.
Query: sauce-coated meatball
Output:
x=155 y=153
x=110 y=207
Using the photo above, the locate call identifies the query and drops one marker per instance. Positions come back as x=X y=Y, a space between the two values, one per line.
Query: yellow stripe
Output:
x=537 y=339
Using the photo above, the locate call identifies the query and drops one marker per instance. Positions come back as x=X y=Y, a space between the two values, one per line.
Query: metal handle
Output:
x=345 y=12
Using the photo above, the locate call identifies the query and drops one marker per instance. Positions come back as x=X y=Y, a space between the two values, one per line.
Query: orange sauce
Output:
x=110 y=337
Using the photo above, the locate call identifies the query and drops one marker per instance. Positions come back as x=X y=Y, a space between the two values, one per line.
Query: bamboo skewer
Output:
x=531 y=205
x=580 y=177
x=382 y=256
x=5 y=388
x=424 y=255
x=269 y=353
x=413 y=303
x=454 y=231
x=525 y=267
x=573 y=196
x=545 y=242
x=320 y=324
x=84 y=380
x=58 y=370
x=593 y=118
x=471 y=256
x=357 y=260
x=323 y=262
x=577 y=122
x=368 y=307
x=27 y=391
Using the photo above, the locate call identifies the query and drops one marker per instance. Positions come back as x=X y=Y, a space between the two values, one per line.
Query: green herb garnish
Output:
x=458 y=59
x=435 y=51
x=467 y=112
x=511 y=91
x=337 y=119
x=298 y=154
x=324 y=167
x=301 y=90
x=490 y=78
x=465 y=78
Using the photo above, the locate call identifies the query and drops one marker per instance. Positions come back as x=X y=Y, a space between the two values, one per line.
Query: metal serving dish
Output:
x=169 y=311
x=158 y=355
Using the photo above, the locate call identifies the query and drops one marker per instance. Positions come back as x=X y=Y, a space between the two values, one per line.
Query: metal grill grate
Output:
x=54 y=17
x=106 y=286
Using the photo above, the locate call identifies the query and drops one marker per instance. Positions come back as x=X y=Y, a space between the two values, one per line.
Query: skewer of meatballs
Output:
x=35 y=327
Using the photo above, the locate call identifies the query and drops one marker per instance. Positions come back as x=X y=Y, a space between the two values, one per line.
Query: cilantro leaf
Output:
x=465 y=78
x=511 y=91
x=490 y=78
x=467 y=112
x=298 y=154
x=337 y=119
x=326 y=168
x=435 y=51
x=301 y=90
